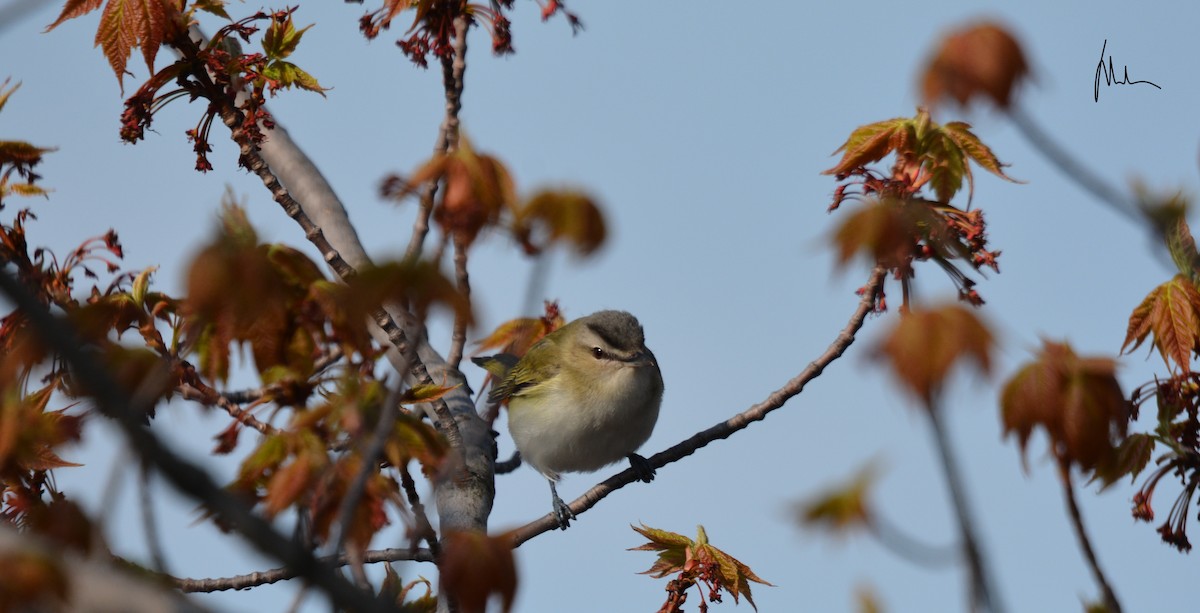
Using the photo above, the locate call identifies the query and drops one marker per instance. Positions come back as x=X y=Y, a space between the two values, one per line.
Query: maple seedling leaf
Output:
x=926 y=153
x=697 y=560
x=842 y=508
x=564 y=216
x=1171 y=312
x=475 y=565
x=982 y=60
x=128 y=24
x=1076 y=400
x=925 y=344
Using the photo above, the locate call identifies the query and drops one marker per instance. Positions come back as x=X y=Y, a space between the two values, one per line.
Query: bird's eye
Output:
x=597 y=353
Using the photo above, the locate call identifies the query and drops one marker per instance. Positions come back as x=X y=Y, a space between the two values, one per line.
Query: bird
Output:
x=585 y=396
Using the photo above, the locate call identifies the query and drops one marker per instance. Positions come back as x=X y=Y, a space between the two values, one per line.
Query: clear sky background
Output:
x=702 y=128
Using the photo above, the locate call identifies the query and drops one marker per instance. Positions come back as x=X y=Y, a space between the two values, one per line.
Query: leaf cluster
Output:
x=479 y=193
x=695 y=562
x=900 y=225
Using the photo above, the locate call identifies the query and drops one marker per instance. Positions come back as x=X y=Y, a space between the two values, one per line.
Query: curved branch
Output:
x=275 y=575
x=1072 y=168
x=899 y=542
x=983 y=592
x=725 y=429
x=1110 y=597
x=453 y=71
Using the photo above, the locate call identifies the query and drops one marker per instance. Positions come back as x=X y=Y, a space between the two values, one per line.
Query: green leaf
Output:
x=140 y=285
x=282 y=38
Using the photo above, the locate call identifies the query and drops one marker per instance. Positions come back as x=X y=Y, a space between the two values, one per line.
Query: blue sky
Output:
x=702 y=128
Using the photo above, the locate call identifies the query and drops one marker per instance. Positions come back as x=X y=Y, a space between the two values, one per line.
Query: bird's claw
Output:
x=641 y=466
x=563 y=514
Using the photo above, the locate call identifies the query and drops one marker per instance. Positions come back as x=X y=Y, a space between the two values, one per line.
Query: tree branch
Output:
x=453 y=72
x=275 y=575
x=210 y=397
x=982 y=592
x=725 y=429
x=1072 y=168
x=906 y=546
x=1110 y=597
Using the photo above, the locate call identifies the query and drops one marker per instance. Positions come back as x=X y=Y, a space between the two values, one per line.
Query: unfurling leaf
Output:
x=475 y=565
x=515 y=336
x=1128 y=459
x=925 y=344
x=478 y=188
x=1076 y=400
x=926 y=154
x=983 y=60
x=419 y=284
x=282 y=37
x=563 y=215
x=843 y=508
x=1171 y=312
x=126 y=24
x=696 y=561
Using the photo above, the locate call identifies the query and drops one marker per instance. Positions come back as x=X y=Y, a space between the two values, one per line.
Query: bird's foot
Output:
x=640 y=465
x=562 y=513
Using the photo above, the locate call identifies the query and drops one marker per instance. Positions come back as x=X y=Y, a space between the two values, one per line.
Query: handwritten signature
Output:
x=1110 y=75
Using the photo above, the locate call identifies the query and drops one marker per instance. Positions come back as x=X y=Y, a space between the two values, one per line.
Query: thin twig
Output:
x=982 y=591
x=906 y=546
x=275 y=575
x=1070 y=167
x=453 y=70
x=370 y=466
x=210 y=397
x=114 y=402
x=725 y=429
x=1110 y=597
x=328 y=359
x=150 y=524
x=422 y=528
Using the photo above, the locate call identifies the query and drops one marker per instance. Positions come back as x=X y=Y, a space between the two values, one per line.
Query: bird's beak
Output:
x=643 y=358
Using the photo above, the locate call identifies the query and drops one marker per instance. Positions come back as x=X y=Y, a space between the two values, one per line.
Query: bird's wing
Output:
x=521 y=377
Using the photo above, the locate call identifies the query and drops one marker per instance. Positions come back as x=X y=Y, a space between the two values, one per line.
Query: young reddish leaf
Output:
x=1128 y=459
x=215 y=7
x=474 y=566
x=844 y=507
x=5 y=94
x=1077 y=400
x=982 y=60
x=126 y=24
x=420 y=284
x=870 y=143
x=565 y=215
x=882 y=231
x=478 y=188
x=73 y=9
x=415 y=439
x=288 y=484
x=694 y=561
x=516 y=336
x=925 y=344
x=1171 y=312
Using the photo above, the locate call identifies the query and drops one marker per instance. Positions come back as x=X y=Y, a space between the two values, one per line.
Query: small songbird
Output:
x=583 y=397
